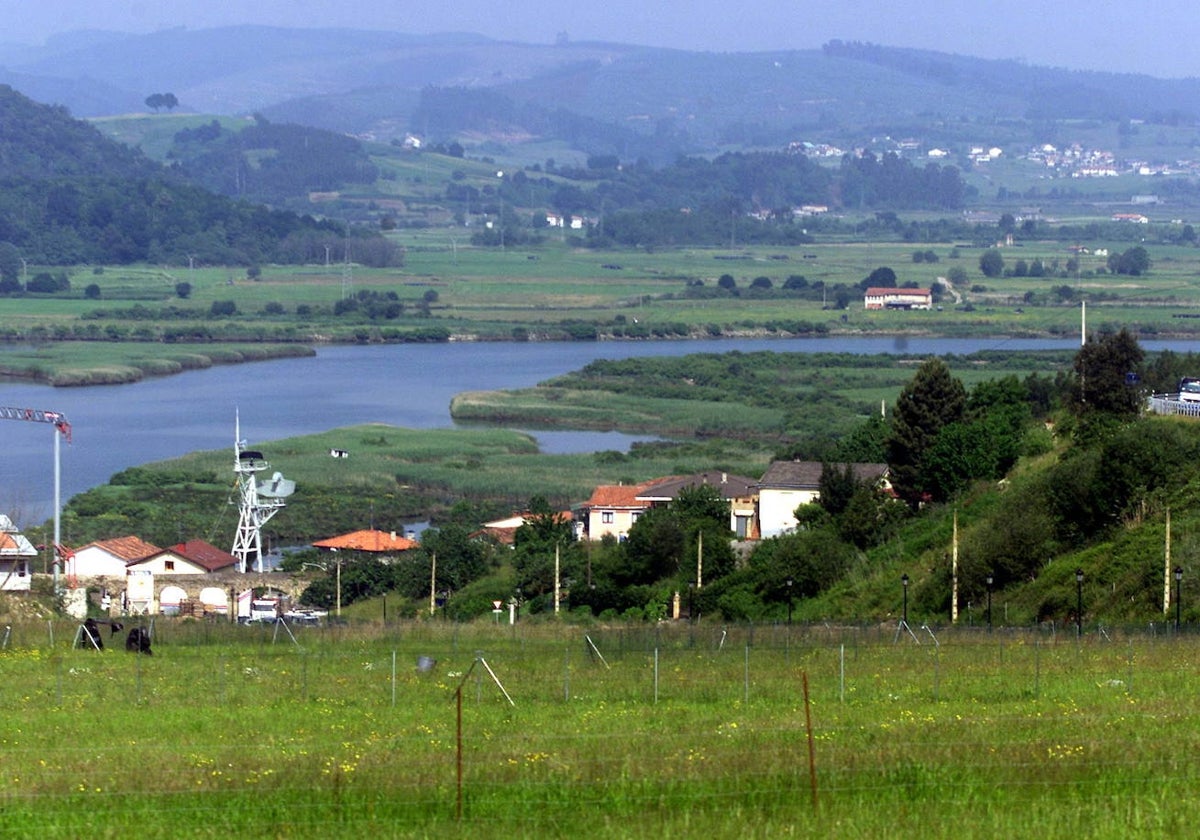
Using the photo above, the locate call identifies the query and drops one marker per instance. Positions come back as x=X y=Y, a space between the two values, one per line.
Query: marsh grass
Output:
x=235 y=729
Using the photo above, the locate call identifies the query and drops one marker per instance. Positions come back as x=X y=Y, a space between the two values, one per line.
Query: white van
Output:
x=1189 y=390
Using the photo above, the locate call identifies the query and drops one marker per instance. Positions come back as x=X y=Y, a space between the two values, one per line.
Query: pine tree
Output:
x=932 y=400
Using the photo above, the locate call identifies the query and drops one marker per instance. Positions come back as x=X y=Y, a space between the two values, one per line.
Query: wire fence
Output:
x=337 y=729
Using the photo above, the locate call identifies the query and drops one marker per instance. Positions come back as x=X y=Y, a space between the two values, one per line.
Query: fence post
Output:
x=656 y=675
x=1037 y=668
x=842 y=673
x=746 y=675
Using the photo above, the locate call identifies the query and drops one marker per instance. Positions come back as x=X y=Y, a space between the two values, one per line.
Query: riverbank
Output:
x=77 y=364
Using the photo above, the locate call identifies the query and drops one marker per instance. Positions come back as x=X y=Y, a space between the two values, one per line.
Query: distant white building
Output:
x=893 y=298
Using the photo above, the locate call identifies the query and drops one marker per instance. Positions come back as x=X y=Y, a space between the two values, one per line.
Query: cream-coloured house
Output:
x=194 y=557
x=613 y=508
x=739 y=491
x=788 y=484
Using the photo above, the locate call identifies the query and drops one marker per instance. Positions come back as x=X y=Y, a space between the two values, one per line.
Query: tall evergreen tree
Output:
x=932 y=400
x=1102 y=375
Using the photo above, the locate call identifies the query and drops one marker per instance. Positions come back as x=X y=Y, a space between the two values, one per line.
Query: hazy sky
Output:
x=1124 y=36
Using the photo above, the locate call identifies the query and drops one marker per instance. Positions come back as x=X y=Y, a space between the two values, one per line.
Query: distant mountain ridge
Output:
x=383 y=84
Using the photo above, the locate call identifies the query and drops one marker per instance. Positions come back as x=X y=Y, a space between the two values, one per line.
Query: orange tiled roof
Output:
x=11 y=546
x=620 y=495
x=128 y=548
x=368 y=540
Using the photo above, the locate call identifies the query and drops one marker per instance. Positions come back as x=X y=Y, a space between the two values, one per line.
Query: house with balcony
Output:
x=16 y=553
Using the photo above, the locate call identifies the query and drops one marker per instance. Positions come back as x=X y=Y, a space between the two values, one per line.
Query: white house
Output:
x=109 y=558
x=788 y=484
x=15 y=551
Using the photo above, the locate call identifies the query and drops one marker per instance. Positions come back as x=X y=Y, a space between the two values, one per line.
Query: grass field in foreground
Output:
x=696 y=729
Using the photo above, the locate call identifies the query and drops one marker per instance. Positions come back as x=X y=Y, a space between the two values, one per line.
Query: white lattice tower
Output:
x=254 y=510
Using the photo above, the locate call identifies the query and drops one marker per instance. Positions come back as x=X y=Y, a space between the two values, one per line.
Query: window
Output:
x=169 y=565
x=606 y=517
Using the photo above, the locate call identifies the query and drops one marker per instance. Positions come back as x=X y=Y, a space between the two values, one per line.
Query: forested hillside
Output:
x=71 y=196
x=271 y=163
x=39 y=142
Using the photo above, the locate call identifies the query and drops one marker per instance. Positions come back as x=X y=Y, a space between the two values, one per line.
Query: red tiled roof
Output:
x=884 y=291
x=205 y=554
x=379 y=541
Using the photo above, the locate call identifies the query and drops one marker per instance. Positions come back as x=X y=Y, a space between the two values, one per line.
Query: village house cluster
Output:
x=195 y=578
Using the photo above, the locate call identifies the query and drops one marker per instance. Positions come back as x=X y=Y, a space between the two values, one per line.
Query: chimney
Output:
x=393 y=536
x=724 y=478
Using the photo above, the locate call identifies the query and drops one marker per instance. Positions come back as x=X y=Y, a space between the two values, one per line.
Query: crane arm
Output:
x=37 y=415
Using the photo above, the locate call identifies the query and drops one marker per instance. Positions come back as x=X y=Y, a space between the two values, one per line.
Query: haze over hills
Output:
x=381 y=85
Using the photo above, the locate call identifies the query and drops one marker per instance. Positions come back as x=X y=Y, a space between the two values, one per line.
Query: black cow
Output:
x=138 y=641
x=90 y=638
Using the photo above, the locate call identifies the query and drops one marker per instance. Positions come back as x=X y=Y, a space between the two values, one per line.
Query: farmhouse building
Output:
x=194 y=557
x=893 y=298
x=109 y=558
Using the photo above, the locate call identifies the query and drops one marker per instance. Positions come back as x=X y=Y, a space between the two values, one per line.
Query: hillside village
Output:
x=129 y=576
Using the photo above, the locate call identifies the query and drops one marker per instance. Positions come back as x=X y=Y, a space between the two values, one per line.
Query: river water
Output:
x=118 y=426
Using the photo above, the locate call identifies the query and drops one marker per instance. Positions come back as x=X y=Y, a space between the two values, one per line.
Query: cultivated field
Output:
x=449 y=288
x=612 y=732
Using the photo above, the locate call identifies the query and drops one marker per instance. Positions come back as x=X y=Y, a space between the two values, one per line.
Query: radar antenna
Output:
x=257 y=502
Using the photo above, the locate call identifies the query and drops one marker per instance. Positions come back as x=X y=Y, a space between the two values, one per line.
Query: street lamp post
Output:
x=1078 y=603
x=904 y=584
x=1178 y=592
x=789 y=591
x=990 y=580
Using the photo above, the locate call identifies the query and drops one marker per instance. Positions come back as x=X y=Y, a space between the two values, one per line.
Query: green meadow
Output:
x=606 y=732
